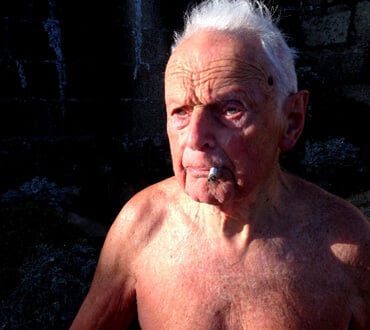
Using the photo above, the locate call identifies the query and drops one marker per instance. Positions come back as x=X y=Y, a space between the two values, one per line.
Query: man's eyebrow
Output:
x=235 y=92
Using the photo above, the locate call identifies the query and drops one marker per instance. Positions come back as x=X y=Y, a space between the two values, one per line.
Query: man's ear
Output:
x=294 y=113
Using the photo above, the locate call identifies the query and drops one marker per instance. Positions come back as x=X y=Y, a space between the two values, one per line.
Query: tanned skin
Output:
x=255 y=249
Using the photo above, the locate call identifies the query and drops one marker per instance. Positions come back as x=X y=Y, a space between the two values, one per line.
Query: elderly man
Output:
x=231 y=241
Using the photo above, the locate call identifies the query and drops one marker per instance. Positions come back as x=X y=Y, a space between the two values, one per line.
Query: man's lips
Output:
x=223 y=173
x=198 y=172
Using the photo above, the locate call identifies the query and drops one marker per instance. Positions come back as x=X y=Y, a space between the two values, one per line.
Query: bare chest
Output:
x=187 y=284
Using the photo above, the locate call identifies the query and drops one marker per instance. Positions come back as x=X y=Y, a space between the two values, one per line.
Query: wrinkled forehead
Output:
x=223 y=55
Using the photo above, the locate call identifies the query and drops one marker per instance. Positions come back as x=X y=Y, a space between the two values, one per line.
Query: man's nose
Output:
x=201 y=130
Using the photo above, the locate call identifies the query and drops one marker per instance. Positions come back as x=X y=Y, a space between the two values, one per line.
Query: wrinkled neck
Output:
x=241 y=219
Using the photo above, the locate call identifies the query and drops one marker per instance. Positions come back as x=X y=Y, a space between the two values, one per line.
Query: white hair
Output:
x=245 y=17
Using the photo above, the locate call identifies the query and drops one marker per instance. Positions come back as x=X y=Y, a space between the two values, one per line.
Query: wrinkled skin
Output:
x=254 y=249
x=221 y=112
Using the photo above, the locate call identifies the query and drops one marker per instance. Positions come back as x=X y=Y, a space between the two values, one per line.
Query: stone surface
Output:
x=327 y=30
x=362 y=21
x=357 y=92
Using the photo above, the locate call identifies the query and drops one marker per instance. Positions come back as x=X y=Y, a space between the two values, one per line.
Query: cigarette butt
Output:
x=213 y=174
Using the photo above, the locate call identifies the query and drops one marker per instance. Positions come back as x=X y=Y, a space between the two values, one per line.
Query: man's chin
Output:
x=215 y=193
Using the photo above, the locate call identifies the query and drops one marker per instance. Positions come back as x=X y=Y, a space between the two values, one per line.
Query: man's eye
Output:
x=231 y=111
x=180 y=118
x=180 y=112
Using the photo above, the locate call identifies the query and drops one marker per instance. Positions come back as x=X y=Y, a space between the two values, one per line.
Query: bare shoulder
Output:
x=343 y=224
x=324 y=203
x=110 y=303
x=346 y=231
x=143 y=215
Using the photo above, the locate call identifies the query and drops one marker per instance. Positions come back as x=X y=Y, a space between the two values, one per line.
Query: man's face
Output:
x=221 y=112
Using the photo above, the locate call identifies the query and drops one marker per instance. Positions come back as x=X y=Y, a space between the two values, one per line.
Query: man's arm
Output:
x=110 y=302
x=361 y=315
x=353 y=250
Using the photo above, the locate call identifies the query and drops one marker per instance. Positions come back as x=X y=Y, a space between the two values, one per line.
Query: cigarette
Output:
x=214 y=172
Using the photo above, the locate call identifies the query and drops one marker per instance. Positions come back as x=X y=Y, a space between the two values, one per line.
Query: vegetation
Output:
x=47 y=263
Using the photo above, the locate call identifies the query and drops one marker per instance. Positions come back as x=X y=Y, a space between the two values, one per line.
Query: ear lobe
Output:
x=294 y=113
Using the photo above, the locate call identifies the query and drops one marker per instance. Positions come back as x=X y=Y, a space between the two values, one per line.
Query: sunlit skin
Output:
x=254 y=249
x=221 y=112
